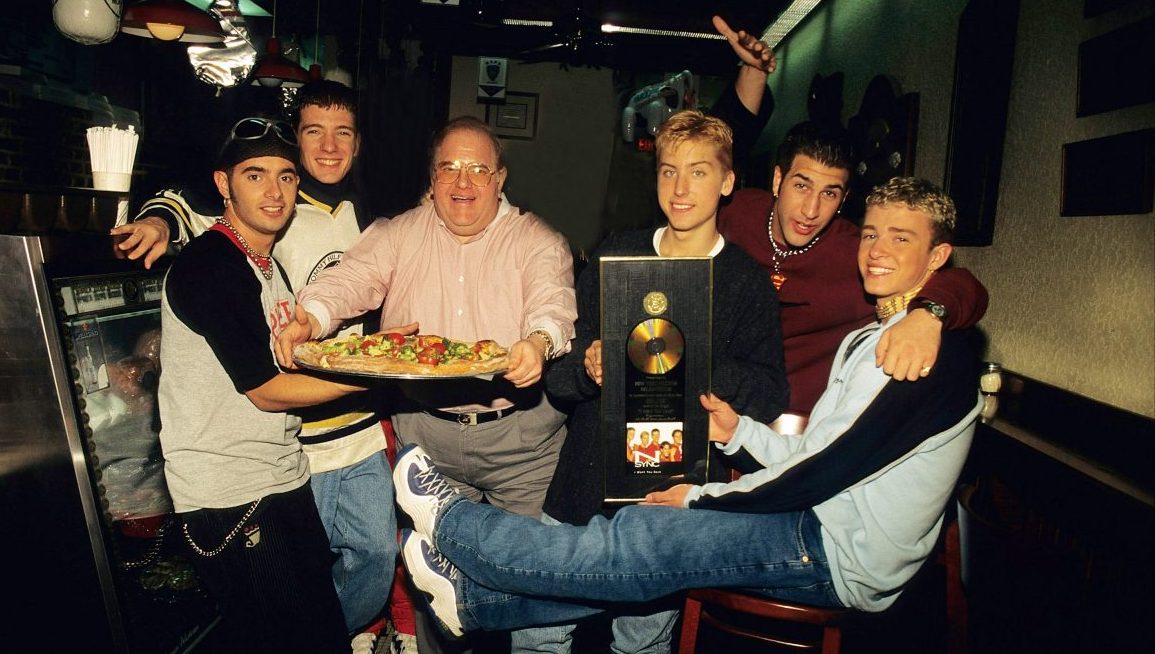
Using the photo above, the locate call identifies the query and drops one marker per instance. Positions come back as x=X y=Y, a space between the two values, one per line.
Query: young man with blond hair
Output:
x=843 y=516
x=694 y=170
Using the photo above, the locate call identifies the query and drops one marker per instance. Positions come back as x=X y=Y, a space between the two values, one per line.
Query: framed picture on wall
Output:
x=1123 y=163
x=516 y=118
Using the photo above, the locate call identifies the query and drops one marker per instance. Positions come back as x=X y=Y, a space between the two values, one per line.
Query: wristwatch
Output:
x=937 y=310
x=545 y=337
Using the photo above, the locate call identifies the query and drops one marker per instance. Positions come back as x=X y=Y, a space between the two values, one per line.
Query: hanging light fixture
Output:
x=170 y=20
x=246 y=8
x=90 y=22
x=274 y=69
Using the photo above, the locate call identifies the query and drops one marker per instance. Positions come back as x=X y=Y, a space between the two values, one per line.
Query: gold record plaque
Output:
x=655 y=362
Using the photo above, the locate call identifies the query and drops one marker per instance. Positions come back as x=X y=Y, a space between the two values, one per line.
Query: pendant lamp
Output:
x=90 y=22
x=274 y=69
x=170 y=20
x=246 y=8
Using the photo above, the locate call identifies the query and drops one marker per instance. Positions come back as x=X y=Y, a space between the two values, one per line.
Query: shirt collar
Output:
x=718 y=244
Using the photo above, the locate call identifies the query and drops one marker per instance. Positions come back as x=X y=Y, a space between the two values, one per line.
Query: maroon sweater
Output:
x=822 y=299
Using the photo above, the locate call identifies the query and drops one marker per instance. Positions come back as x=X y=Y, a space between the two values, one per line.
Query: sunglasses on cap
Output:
x=250 y=129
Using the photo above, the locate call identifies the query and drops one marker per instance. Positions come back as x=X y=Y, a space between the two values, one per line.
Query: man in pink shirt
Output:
x=466 y=265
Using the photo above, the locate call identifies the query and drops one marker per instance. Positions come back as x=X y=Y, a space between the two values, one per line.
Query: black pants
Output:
x=274 y=580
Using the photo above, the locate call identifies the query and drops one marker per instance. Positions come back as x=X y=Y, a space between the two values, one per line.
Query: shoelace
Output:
x=443 y=565
x=433 y=483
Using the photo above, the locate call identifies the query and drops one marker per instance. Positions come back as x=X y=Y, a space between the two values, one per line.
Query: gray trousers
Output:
x=509 y=462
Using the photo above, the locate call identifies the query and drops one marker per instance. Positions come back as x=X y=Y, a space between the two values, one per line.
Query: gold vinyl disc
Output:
x=655 y=346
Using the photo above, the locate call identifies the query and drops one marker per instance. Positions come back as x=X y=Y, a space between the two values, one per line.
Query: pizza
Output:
x=392 y=354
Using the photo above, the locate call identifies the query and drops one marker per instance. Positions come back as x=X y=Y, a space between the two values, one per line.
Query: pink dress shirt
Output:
x=513 y=278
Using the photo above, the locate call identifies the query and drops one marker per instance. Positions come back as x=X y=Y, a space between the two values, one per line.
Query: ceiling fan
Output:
x=579 y=36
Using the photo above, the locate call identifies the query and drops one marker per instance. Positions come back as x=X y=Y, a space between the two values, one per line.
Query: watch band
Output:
x=548 y=341
x=937 y=310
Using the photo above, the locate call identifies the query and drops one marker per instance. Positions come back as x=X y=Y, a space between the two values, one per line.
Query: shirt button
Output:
x=461 y=278
x=460 y=311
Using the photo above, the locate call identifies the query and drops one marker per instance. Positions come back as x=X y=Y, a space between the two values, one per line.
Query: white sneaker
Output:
x=435 y=577
x=363 y=643
x=421 y=490
x=400 y=643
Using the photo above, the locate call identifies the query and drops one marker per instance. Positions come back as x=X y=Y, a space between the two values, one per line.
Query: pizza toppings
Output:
x=393 y=353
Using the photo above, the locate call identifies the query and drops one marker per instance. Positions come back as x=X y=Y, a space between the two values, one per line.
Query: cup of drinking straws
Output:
x=113 y=152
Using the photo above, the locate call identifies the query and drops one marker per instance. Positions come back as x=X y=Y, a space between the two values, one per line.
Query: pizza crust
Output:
x=312 y=355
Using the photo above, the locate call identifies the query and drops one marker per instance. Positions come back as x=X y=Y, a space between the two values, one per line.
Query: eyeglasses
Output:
x=448 y=172
x=249 y=129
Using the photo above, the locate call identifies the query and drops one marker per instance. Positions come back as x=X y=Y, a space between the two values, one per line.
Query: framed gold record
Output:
x=655 y=346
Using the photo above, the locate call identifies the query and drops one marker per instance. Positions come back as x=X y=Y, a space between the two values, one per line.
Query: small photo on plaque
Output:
x=654 y=448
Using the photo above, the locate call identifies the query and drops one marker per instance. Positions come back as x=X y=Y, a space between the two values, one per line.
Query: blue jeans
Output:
x=510 y=563
x=632 y=633
x=356 y=507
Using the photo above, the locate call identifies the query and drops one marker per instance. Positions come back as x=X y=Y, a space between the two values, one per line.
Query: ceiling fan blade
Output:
x=545 y=48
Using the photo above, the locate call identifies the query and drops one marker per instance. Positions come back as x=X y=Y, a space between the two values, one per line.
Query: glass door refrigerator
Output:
x=90 y=548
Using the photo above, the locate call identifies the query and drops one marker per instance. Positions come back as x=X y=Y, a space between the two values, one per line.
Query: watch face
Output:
x=937 y=309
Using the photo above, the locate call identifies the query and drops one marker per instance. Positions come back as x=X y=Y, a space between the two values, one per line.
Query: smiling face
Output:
x=896 y=254
x=260 y=194
x=809 y=195
x=691 y=181
x=465 y=208
x=329 y=142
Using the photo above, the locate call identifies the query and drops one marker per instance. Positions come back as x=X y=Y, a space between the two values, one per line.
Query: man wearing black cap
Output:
x=234 y=467
x=344 y=440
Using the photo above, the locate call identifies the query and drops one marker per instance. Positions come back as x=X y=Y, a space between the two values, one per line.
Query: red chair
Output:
x=702 y=607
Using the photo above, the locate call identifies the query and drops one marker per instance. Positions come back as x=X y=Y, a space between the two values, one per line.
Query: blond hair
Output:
x=919 y=195
x=693 y=125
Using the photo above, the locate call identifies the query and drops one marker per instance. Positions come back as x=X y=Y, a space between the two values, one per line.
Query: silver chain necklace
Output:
x=777 y=277
x=264 y=262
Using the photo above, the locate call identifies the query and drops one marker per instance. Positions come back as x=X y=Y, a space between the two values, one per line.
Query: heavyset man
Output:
x=843 y=516
x=468 y=266
x=238 y=478
x=343 y=440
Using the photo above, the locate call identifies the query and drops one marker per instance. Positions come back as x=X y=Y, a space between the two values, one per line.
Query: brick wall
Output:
x=43 y=138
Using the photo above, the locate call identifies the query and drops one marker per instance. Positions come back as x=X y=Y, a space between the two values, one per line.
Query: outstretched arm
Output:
x=758 y=61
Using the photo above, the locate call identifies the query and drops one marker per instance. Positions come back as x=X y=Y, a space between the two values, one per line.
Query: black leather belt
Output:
x=472 y=418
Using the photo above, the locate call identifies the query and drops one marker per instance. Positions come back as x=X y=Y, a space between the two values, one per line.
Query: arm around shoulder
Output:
x=961 y=293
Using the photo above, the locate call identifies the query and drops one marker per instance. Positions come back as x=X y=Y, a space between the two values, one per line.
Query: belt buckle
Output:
x=467 y=419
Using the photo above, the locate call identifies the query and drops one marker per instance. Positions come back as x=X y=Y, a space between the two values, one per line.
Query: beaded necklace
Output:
x=777 y=278
x=264 y=262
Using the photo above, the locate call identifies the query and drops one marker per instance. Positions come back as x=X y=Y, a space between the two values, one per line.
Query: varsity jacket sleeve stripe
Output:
x=900 y=417
x=183 y=222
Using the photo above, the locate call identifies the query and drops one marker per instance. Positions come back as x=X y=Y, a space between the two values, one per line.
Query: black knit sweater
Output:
x=748 y=368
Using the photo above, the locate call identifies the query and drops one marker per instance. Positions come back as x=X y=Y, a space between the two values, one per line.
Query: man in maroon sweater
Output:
x=810 y=251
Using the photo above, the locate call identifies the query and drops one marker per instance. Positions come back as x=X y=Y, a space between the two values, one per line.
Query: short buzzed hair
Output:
x=919 y=195
x=692 y=125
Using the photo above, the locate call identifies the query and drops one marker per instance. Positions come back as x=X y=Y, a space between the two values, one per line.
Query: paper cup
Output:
x=106 y=181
